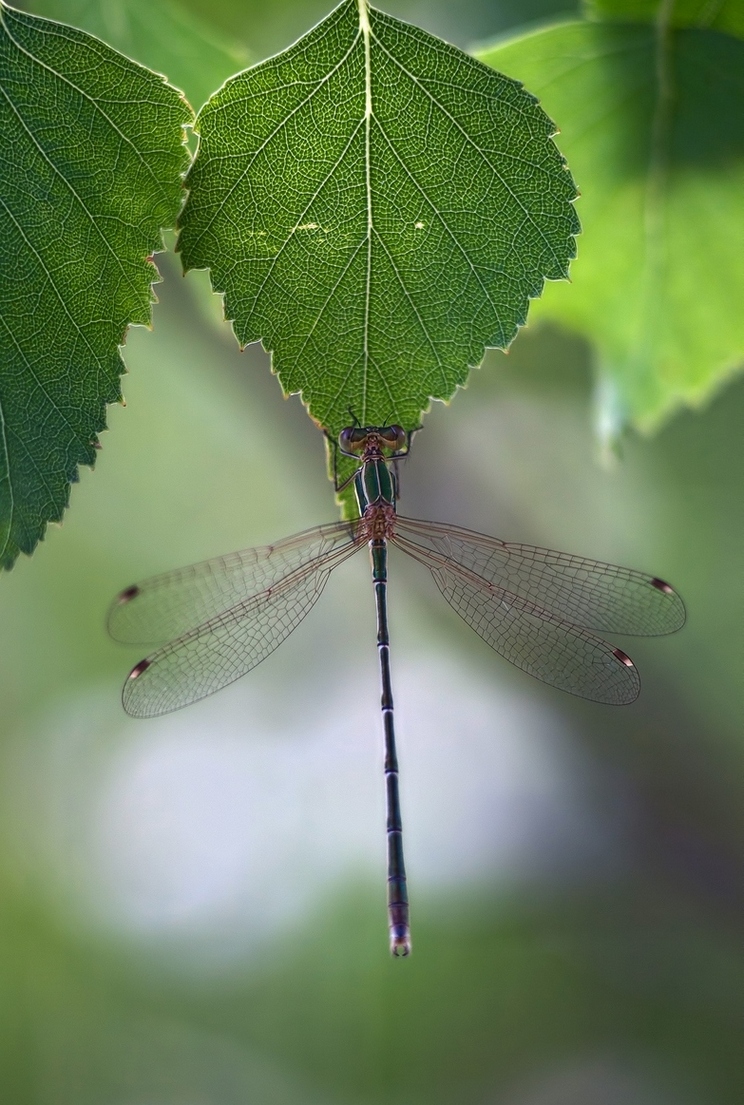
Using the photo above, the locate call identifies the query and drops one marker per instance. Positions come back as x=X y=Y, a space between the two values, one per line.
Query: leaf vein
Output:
x=269 y=138
x=94 y=103
x=479 y=152
x=72 y=191
x=453 y=237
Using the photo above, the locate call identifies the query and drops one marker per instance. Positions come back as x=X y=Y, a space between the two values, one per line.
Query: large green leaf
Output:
x=90 y=168
x=377 y=207
x=653 y=125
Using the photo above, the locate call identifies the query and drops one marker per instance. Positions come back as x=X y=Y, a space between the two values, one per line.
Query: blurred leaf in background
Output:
x=652 y=122
x=717 y=15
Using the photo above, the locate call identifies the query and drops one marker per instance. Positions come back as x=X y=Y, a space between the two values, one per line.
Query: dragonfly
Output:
x=544 y=611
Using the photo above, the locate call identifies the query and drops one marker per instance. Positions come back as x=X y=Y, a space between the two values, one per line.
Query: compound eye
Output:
x=350 y=440
x=392 y=437
x=399 y=437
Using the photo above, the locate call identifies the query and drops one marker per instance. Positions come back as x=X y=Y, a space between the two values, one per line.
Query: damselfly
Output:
x=540 y=609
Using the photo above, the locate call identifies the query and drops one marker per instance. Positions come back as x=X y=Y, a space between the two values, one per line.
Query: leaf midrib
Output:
x=366 y=32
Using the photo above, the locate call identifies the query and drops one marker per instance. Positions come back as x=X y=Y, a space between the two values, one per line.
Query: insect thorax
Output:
x=374 y=485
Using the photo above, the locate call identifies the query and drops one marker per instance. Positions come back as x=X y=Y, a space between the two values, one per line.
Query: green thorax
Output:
x=374 y=484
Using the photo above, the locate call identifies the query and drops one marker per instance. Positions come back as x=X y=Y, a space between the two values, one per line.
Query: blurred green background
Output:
x=192 y=909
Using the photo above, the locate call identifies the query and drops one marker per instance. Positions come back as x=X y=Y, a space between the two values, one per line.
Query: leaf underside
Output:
x=90 y=171
x=659 y=282
x=161 y=34
x=377 y=207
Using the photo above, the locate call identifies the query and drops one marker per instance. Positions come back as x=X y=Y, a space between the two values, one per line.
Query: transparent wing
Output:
x=214 y=654
x=170 y=605
x=587 y=593
x=532 y=638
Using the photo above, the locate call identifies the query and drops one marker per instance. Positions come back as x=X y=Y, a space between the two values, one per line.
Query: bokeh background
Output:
x=192 y=910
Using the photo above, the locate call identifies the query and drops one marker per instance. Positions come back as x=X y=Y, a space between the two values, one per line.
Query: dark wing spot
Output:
x=616 y=652
x=660 y=585
x=139 y=668
x=128 y=595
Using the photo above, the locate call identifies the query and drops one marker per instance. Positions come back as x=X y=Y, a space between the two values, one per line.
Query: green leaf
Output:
x=377 y=207
x=160 y=34
x=90 y=170
x=653 y=125
x=717 y=15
